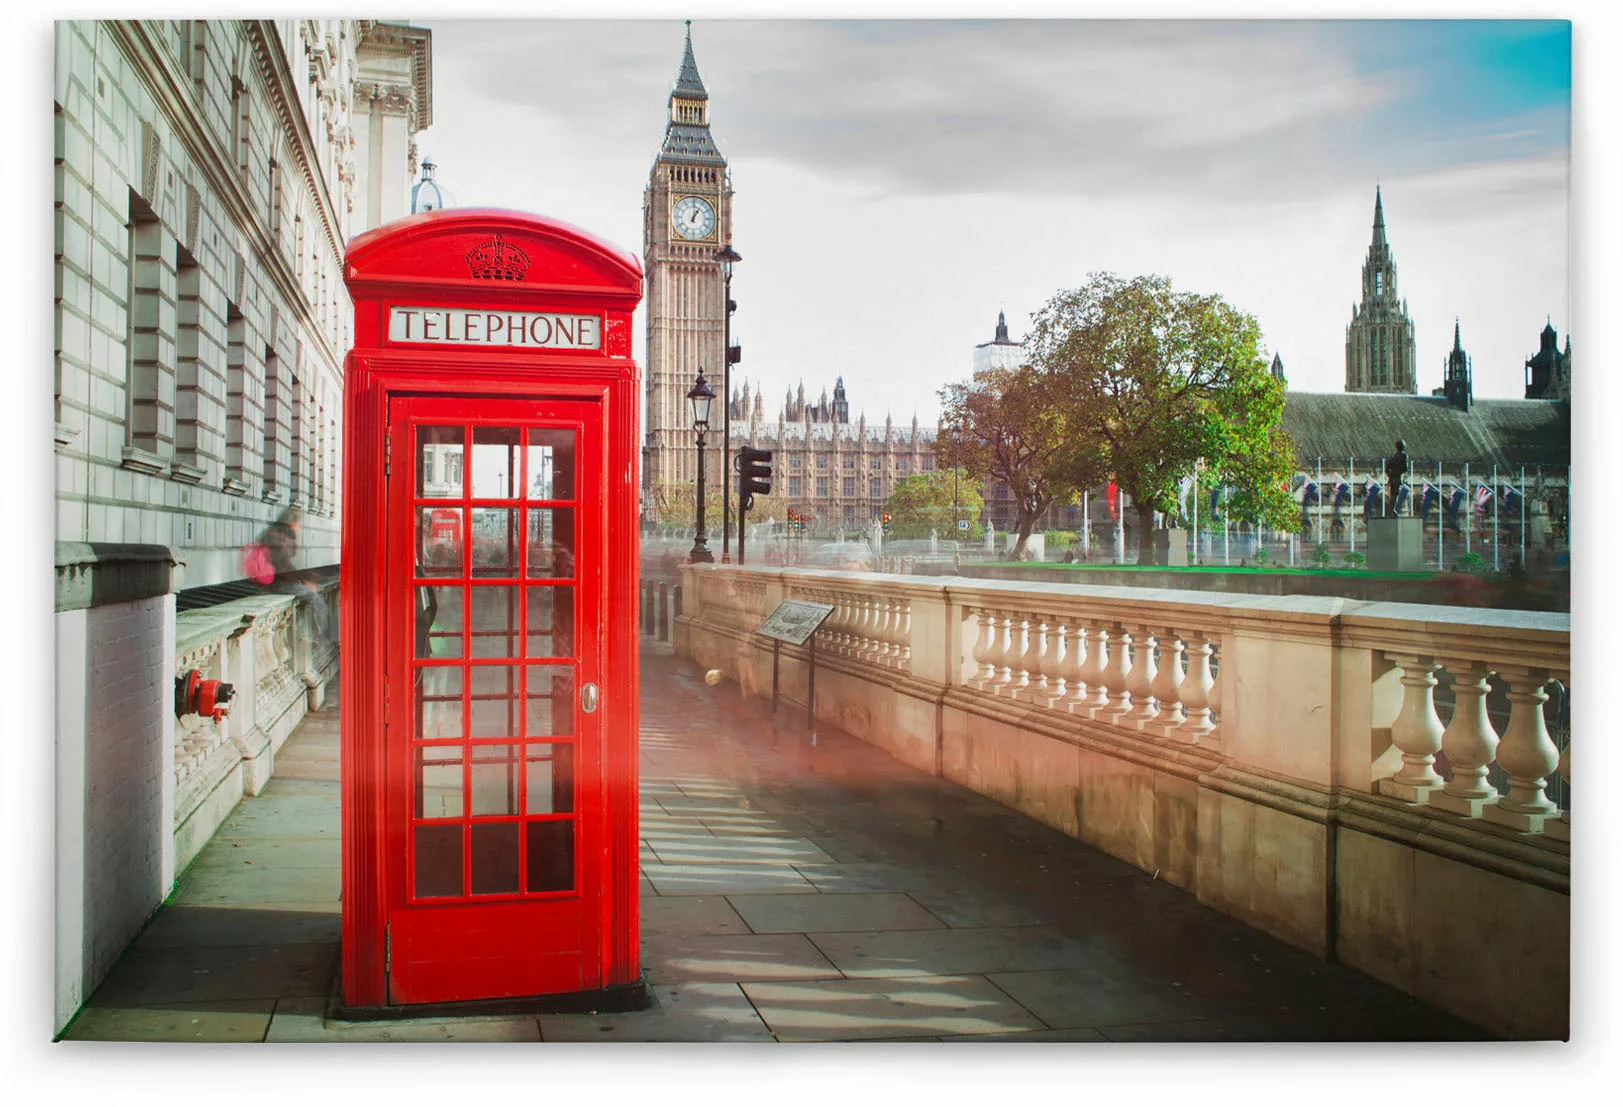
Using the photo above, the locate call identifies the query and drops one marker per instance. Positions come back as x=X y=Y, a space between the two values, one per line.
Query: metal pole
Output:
x=1524 y=517
x=1318 y=506
x=811 y=684
x=1352 y=516
x=726 y=404
x=1194 y=510
x=1470 y=511
x=1493 y=492
x=700 y=551
x=1439 y=516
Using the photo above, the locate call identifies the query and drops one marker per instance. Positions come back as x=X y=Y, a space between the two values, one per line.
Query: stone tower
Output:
x=1549 y=372
x=1457 y=374
x=687 y=216
x=1380 y=338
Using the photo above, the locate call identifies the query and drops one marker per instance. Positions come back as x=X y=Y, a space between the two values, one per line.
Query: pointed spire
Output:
x=688 y=83
x=1379 y=238
x=1457 y=332
x=1001 y=336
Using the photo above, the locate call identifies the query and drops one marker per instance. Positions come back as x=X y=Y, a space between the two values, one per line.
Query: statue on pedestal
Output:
x=1397 y=467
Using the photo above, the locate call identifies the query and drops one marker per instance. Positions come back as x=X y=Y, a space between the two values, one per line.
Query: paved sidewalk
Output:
x=793 y=890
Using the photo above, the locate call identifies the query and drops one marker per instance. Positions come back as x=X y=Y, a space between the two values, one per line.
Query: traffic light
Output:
x=754 y=473
x=884 y=520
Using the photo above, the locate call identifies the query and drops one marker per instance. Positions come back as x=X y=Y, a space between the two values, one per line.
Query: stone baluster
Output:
x=1417 y=731
x=1029 y=684
x=1075 y=665
x=1168 y=676
x=1118 y=701
x=904 y=636
x=1525 y=753
x=985 y=654
x=893 y=633
x=861 y=614
x=874 y=629
x=1562 y=828
x=1469 y=741
x=1141 y=679
x=1053 y=664
x=1195 y=691
x=1093 y=673
x=1005 y=652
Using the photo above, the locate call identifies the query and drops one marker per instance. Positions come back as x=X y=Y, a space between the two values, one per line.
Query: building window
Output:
x=927 y=463
x=849 y=487
x=873 y=488
x=901 y=466
x=822 y=461
x=243 y=402
x=850 y=463
x=875 y=464
x=150 y=417
x=850 y=516
x=822 y=487
x=794 y=461
x=794 y=488
x=194 y=426
x=278 y=417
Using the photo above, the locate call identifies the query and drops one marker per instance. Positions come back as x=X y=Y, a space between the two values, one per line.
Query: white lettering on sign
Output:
x=468 y=327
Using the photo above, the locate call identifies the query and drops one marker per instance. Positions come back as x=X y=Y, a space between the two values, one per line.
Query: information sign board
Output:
x=793 y=621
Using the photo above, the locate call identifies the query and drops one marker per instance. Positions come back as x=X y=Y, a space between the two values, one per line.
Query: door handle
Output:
x=588 y=698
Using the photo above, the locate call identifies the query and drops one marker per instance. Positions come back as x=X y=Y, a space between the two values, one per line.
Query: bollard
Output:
x=662 y=629
x=676 y=608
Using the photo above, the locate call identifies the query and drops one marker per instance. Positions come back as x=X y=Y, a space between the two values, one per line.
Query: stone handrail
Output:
x=1327 y=693
x=266 y=647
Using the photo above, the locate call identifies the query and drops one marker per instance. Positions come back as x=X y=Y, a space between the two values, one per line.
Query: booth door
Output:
x=495 y=808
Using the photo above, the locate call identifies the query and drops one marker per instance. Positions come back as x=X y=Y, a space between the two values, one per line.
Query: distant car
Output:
x=849 y=556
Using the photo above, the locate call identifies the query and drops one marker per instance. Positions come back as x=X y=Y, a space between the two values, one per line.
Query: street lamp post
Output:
x=700 y=397
x=727 y=256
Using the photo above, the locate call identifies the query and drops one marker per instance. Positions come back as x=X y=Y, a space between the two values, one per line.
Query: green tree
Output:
x=1013 y=432
x=1148 y=380
x=924 y=501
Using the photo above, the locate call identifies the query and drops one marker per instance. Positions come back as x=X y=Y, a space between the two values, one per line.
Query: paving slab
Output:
x=283 y=924
x=668 y=958
x=779 y=914
x=696 y=1011
x=721 y=880
x=301 y=1019
x=691 y=915
x=841 y=1010
x=742 y=850
x=1109 y=996
x=951 y=952
x=880 y=876
x=224 y=1021
x=181 y=975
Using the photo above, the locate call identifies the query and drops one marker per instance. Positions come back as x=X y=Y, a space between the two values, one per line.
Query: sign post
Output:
x=796 y=622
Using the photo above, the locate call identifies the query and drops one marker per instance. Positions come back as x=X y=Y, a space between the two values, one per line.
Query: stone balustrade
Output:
x=266 y=648
x=1284 y=758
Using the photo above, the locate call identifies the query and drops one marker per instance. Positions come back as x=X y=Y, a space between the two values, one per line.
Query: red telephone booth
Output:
x=489 y=664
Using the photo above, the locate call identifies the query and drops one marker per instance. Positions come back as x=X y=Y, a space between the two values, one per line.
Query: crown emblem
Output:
x=497 y=260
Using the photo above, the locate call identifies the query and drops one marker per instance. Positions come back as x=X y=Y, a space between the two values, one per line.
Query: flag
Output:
x=1510 y=498
x=1403 y=498
x=1372 y=497
x=1483 y=495
x=1185 y=487
x=1341 y=493
x=1455 y=498
x=1112 y=494
x=1428 y=497
x=1310 y=493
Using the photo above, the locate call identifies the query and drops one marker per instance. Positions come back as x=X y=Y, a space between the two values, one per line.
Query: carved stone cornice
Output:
x=395 y=98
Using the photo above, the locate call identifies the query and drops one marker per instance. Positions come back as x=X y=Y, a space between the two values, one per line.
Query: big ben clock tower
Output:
x=687 y=217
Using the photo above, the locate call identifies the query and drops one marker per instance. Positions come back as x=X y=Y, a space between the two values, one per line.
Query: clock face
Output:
x=694 y=217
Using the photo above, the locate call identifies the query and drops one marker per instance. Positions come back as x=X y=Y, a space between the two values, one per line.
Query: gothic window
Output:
x=822 y=487
x=927 y=463
x=1377 y=282
x=794 y=461
x=822 y=461
x=850 y=462
x=873 y=488
x=794 y=487
x=850 y=516
x=849 y=486
x=902 y=466
x=874 y=464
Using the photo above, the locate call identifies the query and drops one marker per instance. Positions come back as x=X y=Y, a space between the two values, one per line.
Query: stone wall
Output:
x=1280 y=758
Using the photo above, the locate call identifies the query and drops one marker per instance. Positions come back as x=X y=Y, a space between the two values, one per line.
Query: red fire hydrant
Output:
x=196 y=696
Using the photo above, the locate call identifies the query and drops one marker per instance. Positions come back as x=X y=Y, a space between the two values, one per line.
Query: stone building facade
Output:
x=1549 y=372
x=207 y=175
x=1380 y=338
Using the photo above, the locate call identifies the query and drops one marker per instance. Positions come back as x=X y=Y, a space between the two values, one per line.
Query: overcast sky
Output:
x=898 y=183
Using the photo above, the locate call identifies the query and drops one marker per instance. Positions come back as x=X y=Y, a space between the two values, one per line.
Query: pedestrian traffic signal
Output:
x=754 y=473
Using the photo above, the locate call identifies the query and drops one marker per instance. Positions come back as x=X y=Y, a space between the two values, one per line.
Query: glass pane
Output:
x=495 y=622
x=552 y=541
x=550 y=705
x=439 y=541
x=549 y=779
x=439 y=861
x=495 y=858
x=439 y=462
x=495 y=701
x=495 y=463
x=493 y=776
x=549 y=856
x=439 y=782
x=439 y=621
x=550 y=464
x=438 y=701
x=495 y=542
x=551 y=626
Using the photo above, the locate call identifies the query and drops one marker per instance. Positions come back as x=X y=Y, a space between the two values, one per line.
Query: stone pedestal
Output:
x=1171 y=546
x=1394 y=545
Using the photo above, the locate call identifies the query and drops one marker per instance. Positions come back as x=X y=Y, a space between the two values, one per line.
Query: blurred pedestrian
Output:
x=281 y=542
